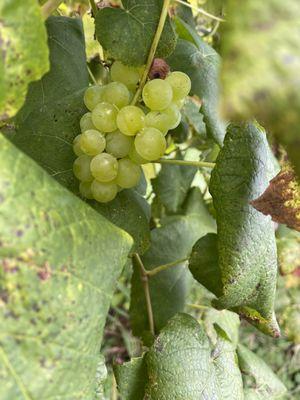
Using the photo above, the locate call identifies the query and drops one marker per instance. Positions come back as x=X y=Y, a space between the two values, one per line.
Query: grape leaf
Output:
x=260 y=73
x=182 y=364
x=246 y=240
x=54 y=287
x=49 y=120
x=131 y=378
x=127 y=33
x=172 y=184
x=288 y=247
x=23 y=52
x=202 y=63
x=172 y=241
x=267 y=385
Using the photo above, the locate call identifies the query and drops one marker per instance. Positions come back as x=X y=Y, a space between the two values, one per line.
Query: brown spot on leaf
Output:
x=44 y=273
x=281 y=199
x=159 y=69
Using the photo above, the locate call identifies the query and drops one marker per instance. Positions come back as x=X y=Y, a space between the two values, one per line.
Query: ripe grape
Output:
x=81 y=168
x=92 y=142
x=116 y=93
x=93 y=96
x=180 y=83
x=150 y=144
x=104 y=192
x=157 y=94
x=129 y=174
x=173 y=115
x=86 y=122
x=118 y=144
x=85 y=190
x=135 y=157
x=76 y=146
x=104 y=117
x=179 y=103
x=129 y=76
x=158 y=120
x=130 y=120
x=104 y=167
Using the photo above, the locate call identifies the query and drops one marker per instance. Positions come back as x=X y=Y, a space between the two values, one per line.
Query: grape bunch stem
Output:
x=160 y=27
x=50 y=6
x=186 y=163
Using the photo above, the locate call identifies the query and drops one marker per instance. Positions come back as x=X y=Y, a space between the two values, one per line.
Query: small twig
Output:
x=198 y=307
x=145 y=282
x=160 y=27
x=186 y=163
x=164 y=267
x=114 y=390
x=200 y=11
x=94 y=7
x=92 y=75
x=50 y=6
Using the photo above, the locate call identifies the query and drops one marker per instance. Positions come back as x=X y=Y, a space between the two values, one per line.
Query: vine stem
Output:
x=93 y=7
x=160 y=27
x=185 y=163
x=201 y=11
x=145 y=282
x=164 y=267
x=50 y=6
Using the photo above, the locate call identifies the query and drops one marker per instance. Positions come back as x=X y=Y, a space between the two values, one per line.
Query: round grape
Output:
x=129 y=76
x=180 y=83
x=92 y=142
x=116 y=93
x=76 y=146
x=86 y=122
x=129 y=174
x=158 y=120
x=104 y=117
x=174 y=116
x=157 y=94
x=130 y=120
x=81 y=168
x=135 y=157
x=179 y=103
x=85 y=190
x=104 y=192
x=104 y=167
x=150 y=144
x=93 y=96
x=117 y=144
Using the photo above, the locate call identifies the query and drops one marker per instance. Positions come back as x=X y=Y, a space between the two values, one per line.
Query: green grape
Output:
x=157 y=94
x=135 y=157
x=129 y=76
x=116 y=93
x=76 y=146
x=86 y=122
x=180 y=83
x=81 y=168
x=129 y=173
x=104 y=117
x=93 y=96
x=158 y=120
x=179 y=103
x=104 y=167
x=150 y=144
x=85 y=190
x=104 y=192
x=92 y=142
x=117 y=144
x=173 y=115
x=130 y=120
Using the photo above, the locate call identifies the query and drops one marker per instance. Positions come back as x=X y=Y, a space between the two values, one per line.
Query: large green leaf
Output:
x=182 y=364
x=23 y=52
x=172 y=241
x=172 y=184
x=201 y=62
x=49 y=120
x=267 y=385
x=127 y=33
x=261 y=51
x=247 y=256
x=59 y=264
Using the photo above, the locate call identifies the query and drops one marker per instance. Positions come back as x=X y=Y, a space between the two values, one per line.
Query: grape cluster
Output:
x=118 y=137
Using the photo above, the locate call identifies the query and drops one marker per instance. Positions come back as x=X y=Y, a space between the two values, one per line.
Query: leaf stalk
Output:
x=50 y=6
x=164 y=267
x=186 y=163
